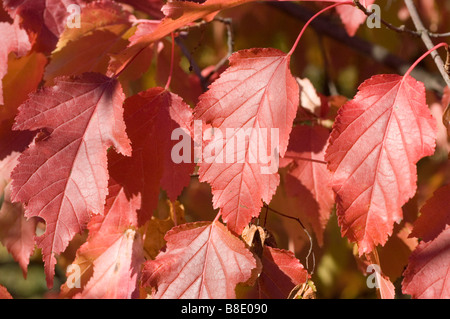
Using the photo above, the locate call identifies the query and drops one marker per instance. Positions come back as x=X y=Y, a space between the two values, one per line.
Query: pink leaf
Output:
x=256 y=96
x=377 y=139
x=202 y=260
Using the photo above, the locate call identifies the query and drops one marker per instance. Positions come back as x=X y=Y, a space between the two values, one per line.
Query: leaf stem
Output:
x=312 y=18
x=171 y=62
x=442 y=44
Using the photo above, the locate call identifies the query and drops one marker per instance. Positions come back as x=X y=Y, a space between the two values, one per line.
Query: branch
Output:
x=326 y=26
x=193 y=64
x=387 y=24
x=426 y=39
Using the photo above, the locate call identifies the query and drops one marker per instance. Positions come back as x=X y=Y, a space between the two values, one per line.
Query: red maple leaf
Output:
x=377 y=139
x=202 y=260
x=63 y=176
x=256 y=93
x=428 y=273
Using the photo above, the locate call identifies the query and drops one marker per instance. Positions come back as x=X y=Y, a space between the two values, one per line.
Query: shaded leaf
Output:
x=305 y=155
x=151 y=117
x=435 y=216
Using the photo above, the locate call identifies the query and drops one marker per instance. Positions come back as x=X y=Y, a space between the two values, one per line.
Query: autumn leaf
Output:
x=62 y=177
x=202 y=260
x=305 y=157
x=255 y=96
x=151 y=117
x=113 y=250
x=428 y=271
x=377 y=139
x=435 y=216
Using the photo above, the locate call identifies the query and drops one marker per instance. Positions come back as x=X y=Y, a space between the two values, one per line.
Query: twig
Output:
x=193 y=64
x=204 y=80
x=439 y=35
x=426 y=39
x=387 y=24
x=228 y=22
x=401 y=28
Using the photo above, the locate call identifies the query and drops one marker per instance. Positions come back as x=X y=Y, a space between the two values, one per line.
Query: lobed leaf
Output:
x=62 y=177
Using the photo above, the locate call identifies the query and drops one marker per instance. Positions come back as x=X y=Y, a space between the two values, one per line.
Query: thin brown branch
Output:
x=426 y=39
x=401 y=28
